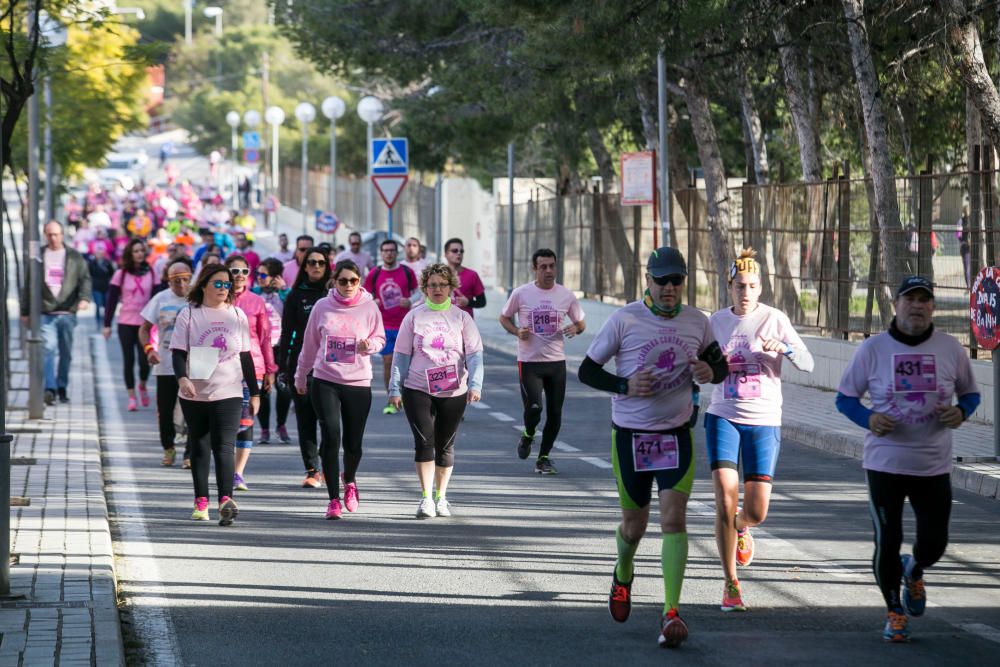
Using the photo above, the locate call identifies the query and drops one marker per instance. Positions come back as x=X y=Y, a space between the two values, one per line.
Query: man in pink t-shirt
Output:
x=291 y=267
x=470 y=293
x=356 y=254
x=541 y=306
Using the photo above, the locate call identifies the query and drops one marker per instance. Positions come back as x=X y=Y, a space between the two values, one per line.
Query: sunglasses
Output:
x=263 y=276
x=222 y=284
x=344 y=282
x=315 y=262
x=236 y=271
x=457 y=251
x=675 y=280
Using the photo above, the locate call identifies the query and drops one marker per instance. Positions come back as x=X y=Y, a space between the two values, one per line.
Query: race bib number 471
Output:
x=654 y=451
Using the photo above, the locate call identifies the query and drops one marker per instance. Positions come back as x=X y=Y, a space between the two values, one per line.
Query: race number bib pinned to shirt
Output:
x=743 y=381
x=340 y=350
x=442 y=378
x=654 y=451
x=914 y=372
x=545 y=322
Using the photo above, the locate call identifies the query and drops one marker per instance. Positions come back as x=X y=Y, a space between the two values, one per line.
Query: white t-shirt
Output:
x=637 y=339
x=544 y=311
x=224 y=329
x=417 y=267
x=55 y=269
x=907 y=382
x=362 y=259
x=161 y=311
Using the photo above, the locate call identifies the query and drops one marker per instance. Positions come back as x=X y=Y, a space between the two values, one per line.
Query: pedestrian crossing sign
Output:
x=390 y=156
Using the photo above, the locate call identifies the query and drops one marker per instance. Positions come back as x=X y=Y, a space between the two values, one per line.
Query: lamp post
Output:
x=233 y=120
x=274 y=116
x=188 y=4
x=305 y=113
x=333 y=108
x=214 y=12
x=53 y=34
x=251 y=119
x=370 y=109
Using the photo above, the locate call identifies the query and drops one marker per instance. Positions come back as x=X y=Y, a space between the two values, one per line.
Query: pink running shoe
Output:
x=132 y=406
x=351 y=497
x=333 y=510
x=143 y=396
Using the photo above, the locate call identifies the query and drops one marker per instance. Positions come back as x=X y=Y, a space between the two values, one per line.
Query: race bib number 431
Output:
x=914 y=372
x=654 y=451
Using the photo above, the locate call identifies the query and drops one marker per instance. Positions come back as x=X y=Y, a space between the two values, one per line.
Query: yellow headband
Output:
x=744 y=265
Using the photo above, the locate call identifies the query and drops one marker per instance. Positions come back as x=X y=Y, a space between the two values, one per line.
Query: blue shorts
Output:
x=390 y=342
x=758 y=446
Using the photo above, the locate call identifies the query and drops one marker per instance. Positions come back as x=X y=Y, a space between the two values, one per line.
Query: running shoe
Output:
x=143 y=396
x=265 y=437
x=744 y=547
x=132 y=406
x=732 y=598
x=426 y=509
x=227 y=511
x=673 y=631
x=896 y=629
x=239 y=483
x=50 y=397
x=63 y=397
x=180 y=439
x=620 y=599
x=200 y=512
x=351 y=497
x=543 y=466
x=186 y=464
x=283 y=435
x=443 y=507
x=169 y=456
x=389 y=409
x=333 y=510
x=914 y=593
x=313 y=480
x=524 y=446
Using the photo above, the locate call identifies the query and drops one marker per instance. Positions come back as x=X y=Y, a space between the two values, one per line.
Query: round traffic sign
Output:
x=984 y=301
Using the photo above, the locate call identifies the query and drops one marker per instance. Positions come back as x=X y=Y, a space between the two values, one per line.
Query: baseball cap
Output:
x=666 y=261
x=911 y=283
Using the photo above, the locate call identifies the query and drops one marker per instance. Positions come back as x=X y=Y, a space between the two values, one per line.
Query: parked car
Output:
x=121 y=167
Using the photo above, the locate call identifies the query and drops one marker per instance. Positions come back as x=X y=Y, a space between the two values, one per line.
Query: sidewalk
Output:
x=808 y=416
x=69 y=613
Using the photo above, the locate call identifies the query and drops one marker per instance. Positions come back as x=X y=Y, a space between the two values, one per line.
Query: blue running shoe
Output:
x=914 y=593
x=896 y=629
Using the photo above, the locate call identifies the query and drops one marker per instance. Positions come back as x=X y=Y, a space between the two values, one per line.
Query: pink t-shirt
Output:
x=393 y=285
x=329 y=344
x=637 y=339
x=225 y=329
x=751 y=393
x=544 y=311
x=438 y=342
x=136 y=291
x=260 y=332
x=290 y=271
x=362 y=259
x=469 y=286
x=55 y=269
x=907 y=382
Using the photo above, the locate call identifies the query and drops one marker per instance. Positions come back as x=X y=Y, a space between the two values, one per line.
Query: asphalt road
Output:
x=521 y=571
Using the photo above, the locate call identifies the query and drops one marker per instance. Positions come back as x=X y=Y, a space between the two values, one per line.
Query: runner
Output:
x=271 y=288
x=309 y=287
x=413 y=258
x=470 y=292
x=261 y=352
x=393 y=286
x=132 y=284
x=343 y=332
x=743 y=421
x=161 y=312
x=437 y=369
x=541 y=307
x=211 y=354
x=292 y=266
x=911 y=373
x=356 y=254
x=658 y=346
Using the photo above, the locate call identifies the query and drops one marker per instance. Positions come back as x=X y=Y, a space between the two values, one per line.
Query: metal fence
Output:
x=818 y=246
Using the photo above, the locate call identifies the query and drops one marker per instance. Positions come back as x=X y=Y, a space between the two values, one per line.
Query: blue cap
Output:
x=911 y=283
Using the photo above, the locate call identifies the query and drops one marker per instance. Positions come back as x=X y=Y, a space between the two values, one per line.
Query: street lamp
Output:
x=305 y=113
x=333 y=108
x=54 y=34
x=233 y=120
x=214 y=12
x=274 y=116
x=370 y=109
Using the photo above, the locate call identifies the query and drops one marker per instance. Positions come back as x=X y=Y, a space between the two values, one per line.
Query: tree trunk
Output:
x=806 y=129
x=963 y=38
x=877 y=132
x=752 y=126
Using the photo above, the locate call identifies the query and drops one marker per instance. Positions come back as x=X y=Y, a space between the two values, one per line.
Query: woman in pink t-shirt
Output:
x=436 y=369
x=132 y=285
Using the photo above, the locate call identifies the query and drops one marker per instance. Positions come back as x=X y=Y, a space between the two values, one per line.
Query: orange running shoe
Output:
x=732 y=597
x=620 y=599
x=312 y=480
x=744 y=548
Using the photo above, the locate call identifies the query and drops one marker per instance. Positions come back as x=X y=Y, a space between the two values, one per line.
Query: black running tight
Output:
x=333 y=404
x=128 y=336
x=434 y=422
x=305 y=422
x=536 y=377
x=212 y=427
x=166 y=398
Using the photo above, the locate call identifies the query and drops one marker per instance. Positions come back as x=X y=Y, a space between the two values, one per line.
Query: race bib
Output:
x=914 y=372
x=442 y=378
x=654 y=451
x=202 y=360
x=391 y=295
x=545 y=322
x=340 y=350
x=743 y=381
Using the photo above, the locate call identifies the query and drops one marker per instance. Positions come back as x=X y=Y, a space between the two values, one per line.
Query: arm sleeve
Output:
x=712 y=355
x=400 y=367
x=180 y=361
x=249 y=373
x=593 y=375
x=969 y=403
x=114 y=291
x=476 y=371
x=478 y=301
x=850 y=407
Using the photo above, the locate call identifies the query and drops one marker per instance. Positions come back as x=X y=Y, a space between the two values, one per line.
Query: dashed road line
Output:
x=594 y=461
x=563 y=447
x=500 y=416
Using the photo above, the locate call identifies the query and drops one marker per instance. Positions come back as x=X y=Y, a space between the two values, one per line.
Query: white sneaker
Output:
x=426 y=508
x=443 y=508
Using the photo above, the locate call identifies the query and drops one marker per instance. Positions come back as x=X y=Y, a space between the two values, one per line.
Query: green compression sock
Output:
x=673 y=559
x=626 y=553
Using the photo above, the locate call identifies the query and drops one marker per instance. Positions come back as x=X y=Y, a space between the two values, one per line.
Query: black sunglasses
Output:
x=222 y=284
x=315 y=262
x=674 y=279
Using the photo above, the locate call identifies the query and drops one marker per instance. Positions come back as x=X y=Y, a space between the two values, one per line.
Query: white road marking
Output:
x=562 y=446
x=594 y=461
x=500 y=416
x=480 y=406
x=984 y=631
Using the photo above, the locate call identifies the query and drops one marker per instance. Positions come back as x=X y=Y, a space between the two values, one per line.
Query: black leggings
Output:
x=305 y=421
x=128 y=336
x=335 y=402
x=284 y=403
x=536 y=377
x=434 y=422
x=212 y=427
x=166 y=398
x=930 y=498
